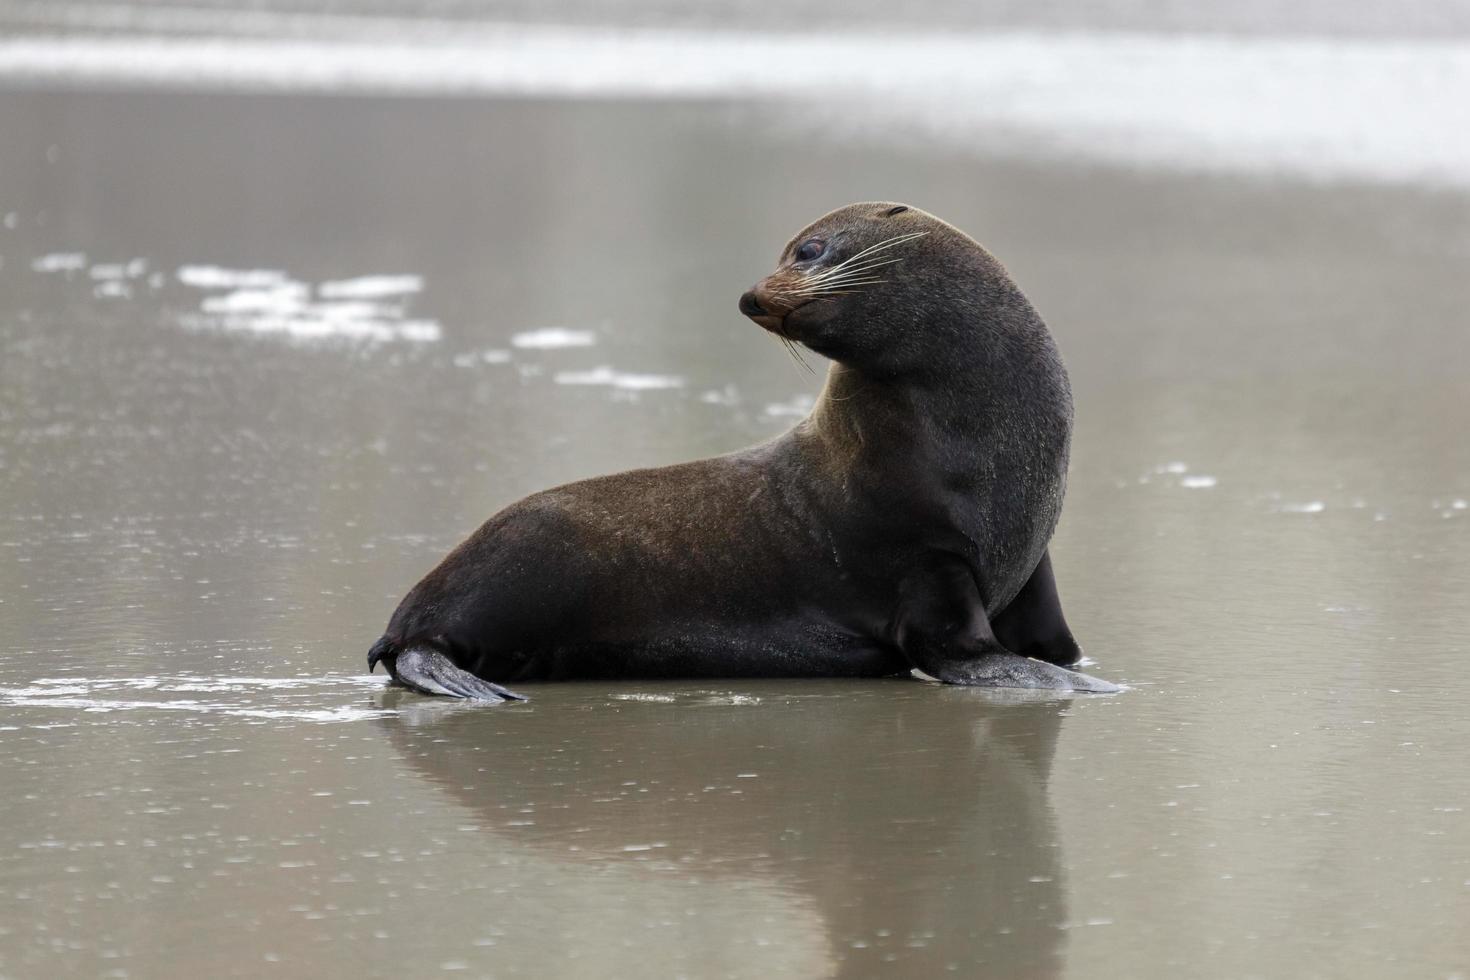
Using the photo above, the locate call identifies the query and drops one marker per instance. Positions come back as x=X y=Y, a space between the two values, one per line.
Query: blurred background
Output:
x=293 y=295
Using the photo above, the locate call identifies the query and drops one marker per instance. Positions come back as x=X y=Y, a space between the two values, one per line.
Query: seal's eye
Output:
x=810 y=249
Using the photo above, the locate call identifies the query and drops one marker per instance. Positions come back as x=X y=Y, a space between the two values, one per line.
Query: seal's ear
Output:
x=896 y=210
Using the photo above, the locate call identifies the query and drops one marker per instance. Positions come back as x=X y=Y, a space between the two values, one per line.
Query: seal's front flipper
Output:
x=1005 y=669
x=942 y=628
x=431 y=672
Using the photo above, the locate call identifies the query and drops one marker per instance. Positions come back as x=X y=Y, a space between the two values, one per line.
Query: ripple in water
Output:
x=286 y=698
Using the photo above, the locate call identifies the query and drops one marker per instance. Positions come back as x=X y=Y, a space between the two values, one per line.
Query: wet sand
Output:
x=218 y=482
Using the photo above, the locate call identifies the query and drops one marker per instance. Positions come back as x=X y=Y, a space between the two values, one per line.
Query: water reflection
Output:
x=190 y=503
x=913 y=821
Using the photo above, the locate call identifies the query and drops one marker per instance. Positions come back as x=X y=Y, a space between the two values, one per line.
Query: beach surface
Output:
x=271 y=343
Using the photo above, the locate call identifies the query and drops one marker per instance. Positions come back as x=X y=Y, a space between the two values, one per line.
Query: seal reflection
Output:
x=914 y=820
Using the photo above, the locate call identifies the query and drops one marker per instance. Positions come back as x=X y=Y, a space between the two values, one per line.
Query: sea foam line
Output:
x=1333 y=108
x=239 y=697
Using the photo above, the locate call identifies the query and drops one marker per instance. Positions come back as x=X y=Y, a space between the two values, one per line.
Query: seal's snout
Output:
x=761 y=307
x=750 y=305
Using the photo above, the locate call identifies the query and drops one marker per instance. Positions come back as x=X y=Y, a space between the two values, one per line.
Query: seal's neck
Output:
x=995 y=401
x=858 y=414
x=1001 y=381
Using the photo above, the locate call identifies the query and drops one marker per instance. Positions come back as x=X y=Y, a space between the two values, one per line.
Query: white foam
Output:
x=241 y=697
x=549 y=337
x=1310 y=507
x=109 y=705
x=200 y=682
x=419 y=331
x=315 y=325
x=489 y=356
x=1388 y=109
x=605 y=375
x=60 y=262
x=342 y=713
x=728 y=395
x=267 y=302
x=370 y=287
x=215 y=277
x=118 y=270
x=1199 y=482
x=112 y=289
x=284 y=297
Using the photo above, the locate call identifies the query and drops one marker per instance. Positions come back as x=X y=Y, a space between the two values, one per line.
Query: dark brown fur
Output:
x=903 y=524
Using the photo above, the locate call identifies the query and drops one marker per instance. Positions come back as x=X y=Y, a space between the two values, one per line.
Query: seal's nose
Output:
x=751 y=306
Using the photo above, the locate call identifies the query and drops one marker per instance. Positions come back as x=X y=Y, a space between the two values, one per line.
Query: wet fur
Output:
x=891 y=529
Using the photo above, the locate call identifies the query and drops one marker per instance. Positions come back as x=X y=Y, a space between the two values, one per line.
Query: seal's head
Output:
x=883 y=287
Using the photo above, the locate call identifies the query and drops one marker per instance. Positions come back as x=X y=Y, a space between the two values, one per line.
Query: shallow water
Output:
x=266 y=359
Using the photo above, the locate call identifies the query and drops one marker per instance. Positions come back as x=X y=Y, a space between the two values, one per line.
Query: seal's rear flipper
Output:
x=1033 y=624
x=431 y=672
x=1003 y=669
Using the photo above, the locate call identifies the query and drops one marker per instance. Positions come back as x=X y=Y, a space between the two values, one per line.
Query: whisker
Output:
x=854 y=277
x=796 y=354
x=839 y=280
x=850 y=265
x=846 y=269
x=887 y=243
x=839 y=287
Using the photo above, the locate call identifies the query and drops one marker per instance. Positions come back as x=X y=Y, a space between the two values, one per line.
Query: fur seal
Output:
x=903 y=524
